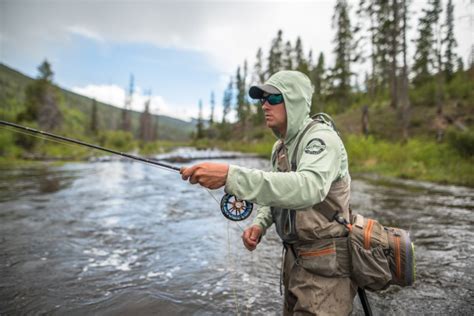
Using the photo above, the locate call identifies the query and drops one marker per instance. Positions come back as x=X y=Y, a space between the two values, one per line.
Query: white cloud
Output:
x=111 y=94
x=227 y=31
x=116 y=95
x=84 y=32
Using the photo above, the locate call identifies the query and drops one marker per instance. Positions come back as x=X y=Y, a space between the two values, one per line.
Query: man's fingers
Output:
x=186 y=173
x=249 y=245
x=248 y=242
x=255 y=233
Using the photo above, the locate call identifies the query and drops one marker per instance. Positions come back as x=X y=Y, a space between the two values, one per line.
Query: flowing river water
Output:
x=116 y=238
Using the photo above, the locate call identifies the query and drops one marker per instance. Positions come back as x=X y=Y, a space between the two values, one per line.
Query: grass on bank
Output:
x=419 y=158
x=17 y=148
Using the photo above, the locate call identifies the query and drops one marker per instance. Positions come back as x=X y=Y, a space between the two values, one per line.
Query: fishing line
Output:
x=233 y=276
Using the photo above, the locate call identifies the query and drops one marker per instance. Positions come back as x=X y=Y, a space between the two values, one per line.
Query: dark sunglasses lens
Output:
x=275 y=99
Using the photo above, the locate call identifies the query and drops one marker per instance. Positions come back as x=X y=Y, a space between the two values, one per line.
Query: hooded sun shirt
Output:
x=321 y=157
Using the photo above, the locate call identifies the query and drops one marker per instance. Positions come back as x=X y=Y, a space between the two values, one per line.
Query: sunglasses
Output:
x=272 y=99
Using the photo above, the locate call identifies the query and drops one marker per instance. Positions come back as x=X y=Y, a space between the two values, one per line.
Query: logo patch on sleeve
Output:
x=315 y=146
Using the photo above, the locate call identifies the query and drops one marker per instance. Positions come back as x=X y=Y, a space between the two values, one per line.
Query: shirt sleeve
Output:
x=318 y=167
x=264 y=218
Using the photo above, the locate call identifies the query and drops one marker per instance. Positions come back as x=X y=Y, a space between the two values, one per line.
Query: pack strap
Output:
x=307 y=128
x=278 y=148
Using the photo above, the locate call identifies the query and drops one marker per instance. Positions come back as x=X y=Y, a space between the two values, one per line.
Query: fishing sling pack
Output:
x=379 y=256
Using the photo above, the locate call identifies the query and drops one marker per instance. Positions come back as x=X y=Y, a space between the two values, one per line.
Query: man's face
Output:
x=275 y=116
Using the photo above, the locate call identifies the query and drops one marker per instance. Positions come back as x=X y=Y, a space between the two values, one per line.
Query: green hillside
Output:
x=77 y=109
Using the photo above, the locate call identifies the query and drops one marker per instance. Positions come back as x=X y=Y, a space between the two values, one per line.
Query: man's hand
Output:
x=251 y=237
x=208 y=174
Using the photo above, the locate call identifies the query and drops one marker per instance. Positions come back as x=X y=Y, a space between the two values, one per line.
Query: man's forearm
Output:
x=293 y=190
x=264 y=218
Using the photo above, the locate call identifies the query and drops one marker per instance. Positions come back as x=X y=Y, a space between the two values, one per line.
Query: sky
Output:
x=180 y=51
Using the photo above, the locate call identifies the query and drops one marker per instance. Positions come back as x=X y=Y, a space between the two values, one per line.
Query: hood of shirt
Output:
x=297 y=93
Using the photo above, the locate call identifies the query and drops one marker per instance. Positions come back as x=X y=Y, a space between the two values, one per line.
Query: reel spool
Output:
x=234 y=209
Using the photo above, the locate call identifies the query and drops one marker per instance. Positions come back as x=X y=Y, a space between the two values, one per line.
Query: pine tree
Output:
x=246 y=102
x=213 y=104
x=382 y=42
x=240 y=97
x=200 y=123
x=301 y=63
x=318 y=78
x=42 y=100
x=393 y=50
x=288 y=57
x=94 y=128
x=227 y=101
x=156 y=127
x=380 y=27
x=341 y=72
x=437 y=51
x=275 y=62
x=450 y=42
x=366 y=12
x=126 y=123
x=258 y=72
x=460 y=65
x=258 y=78
x=146 y=129
x=45 y=72
x=426 y=52
x=404 y=99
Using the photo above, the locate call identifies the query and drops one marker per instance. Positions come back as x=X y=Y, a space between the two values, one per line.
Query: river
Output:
x=119 y=238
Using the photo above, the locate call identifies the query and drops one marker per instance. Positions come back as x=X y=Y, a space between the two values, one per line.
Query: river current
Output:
x=119 y=238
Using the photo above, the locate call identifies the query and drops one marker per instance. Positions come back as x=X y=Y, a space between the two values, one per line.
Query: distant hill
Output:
x=12 y=95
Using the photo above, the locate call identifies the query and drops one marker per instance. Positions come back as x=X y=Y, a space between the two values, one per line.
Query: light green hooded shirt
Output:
x=321 y=158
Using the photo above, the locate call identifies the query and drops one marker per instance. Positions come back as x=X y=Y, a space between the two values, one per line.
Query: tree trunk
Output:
x=393 y=53
x=404 y=98
x=365 y=120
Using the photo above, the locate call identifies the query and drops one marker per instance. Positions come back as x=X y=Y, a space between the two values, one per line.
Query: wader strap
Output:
x=293 y=159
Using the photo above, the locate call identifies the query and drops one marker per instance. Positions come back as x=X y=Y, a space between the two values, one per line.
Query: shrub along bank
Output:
x=419 y=158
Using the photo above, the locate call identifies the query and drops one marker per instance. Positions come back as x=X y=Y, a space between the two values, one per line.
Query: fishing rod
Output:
x=232 y=208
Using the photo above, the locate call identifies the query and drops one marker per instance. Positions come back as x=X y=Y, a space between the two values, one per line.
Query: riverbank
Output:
x=417 y=159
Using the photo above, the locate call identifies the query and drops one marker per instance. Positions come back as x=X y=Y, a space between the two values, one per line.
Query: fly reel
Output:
x=234 y=209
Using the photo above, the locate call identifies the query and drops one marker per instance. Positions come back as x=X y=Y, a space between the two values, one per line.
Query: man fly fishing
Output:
x=309 y=178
